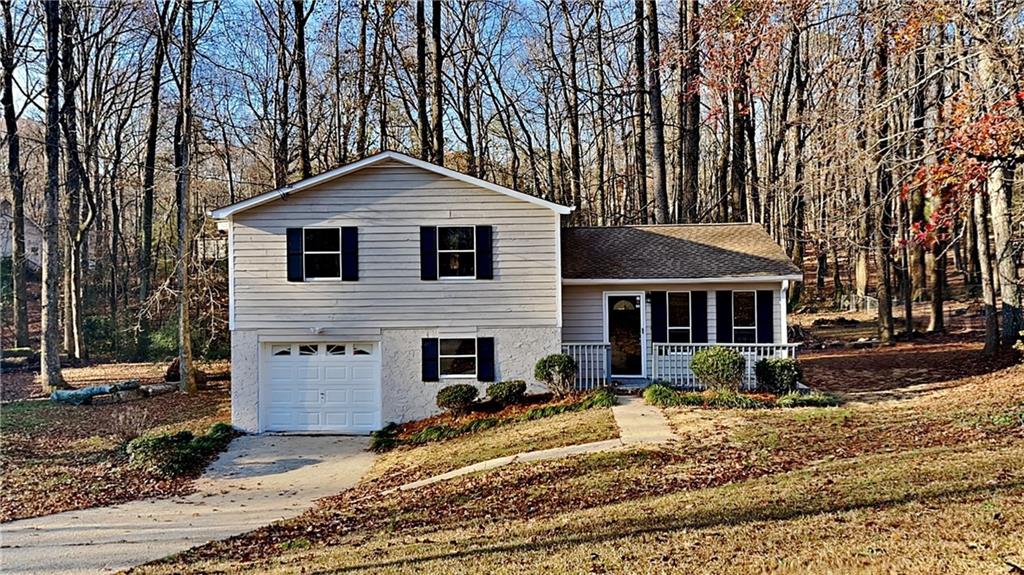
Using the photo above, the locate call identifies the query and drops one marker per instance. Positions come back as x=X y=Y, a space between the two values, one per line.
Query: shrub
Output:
x=558 y=372
x=813 y=399
x=778 y=375
x=507 y=392
x=719 y=367
x=176 y=454
x=664 y=396
x=660 y=394
x=384 y=439
x=457 y=398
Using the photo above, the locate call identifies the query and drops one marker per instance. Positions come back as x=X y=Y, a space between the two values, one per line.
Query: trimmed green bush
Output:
x=719 y=368
x=664 y=396
x=660 y=394
x=176 y=454
x=778 y=375
x=457 y=398
x=507 y=392
x=813 y=399
x=558 y=372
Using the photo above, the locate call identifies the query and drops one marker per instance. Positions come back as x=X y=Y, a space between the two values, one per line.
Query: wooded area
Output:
x=877 y=140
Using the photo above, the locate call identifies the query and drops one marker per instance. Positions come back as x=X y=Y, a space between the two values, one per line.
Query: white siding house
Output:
x=357 y=294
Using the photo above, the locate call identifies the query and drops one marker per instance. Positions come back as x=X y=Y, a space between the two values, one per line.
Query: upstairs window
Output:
x=679 y=317
x=456 y=252
x=321 y=253
x=744 y=317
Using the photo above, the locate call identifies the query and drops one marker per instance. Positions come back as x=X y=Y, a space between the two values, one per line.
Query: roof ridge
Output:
x=701 y=225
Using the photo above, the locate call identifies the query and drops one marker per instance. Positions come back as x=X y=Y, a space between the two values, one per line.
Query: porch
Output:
x=668 y=362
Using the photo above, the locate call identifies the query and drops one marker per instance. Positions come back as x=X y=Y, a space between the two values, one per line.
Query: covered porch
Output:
x=670 y=363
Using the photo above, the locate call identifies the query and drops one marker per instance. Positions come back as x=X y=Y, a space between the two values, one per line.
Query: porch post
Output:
x=783 y=297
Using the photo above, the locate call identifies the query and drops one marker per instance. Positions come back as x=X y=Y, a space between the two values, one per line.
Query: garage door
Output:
x=324 y=387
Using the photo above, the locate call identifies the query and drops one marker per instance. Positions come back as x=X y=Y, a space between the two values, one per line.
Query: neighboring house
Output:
x=33 y=238
x=357 y=294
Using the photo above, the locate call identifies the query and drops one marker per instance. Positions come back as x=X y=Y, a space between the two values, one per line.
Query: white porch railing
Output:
x=592 y=360
x=671 y=361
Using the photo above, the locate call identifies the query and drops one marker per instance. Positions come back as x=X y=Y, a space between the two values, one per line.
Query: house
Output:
x=33 y=238
x=357 y=294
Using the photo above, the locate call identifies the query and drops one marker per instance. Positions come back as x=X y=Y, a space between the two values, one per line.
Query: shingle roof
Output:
x=672 y=252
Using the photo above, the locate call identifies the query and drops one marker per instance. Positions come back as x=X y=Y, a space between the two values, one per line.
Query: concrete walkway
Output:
x=639 y=424
x=258 y=480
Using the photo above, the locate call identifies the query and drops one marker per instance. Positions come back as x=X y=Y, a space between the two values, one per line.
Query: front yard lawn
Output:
x=57 y=458
x=407 y=464
x=929 y=484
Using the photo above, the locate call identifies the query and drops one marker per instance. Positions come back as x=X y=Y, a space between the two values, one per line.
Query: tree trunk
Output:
x=738 y=176
x=301 y=103
x=602 y=119
x=364 y=100
x=691 y=138
x=657 y=118
x=916 y=262
x=148 y=178
x=17 y=179
x=988 y=290
x=573 y=105
x=422 y=125
x=798 y=211
x=50 y=339
x=183 y=170
x=639 y=114
x=438 y=83
x=883 y=199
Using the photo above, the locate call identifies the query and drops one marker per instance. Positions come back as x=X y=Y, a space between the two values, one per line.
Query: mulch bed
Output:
x=486 y=410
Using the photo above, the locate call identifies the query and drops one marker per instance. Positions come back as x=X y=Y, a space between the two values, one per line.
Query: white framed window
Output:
x=744 y=317
x=336 y=349
x=679 y=328
x=311 y=349
x=456 y=252
x=283 y=349
x=362 y=349
x=456 y=358
x=321 y=253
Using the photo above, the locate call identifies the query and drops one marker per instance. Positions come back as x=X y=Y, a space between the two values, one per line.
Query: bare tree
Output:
x=16 y=175
x=183 y=169
x=50 y=340
x=657 y=118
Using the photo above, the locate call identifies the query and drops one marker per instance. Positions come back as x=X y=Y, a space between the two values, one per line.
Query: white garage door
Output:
x=324 y=387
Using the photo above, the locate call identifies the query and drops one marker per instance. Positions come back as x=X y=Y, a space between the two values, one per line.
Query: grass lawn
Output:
x=407 y=464
x=58 y=458
x=929 y=483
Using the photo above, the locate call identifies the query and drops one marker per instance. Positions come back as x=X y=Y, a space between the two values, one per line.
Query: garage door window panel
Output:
x=457 y=358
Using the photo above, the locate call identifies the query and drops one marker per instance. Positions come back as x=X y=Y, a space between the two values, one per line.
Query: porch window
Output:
x=457 y=358
x=744 y=316
x=679 y=317
x=456 y=252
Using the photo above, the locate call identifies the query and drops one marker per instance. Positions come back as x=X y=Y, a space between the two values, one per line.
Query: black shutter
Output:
x=430 y=367
x=428 y=253
x=659 y=317
x=723 y=315
x=765 y=316
x=699 y=316
x=295 y=255
x=350 y=253
x=485 y=359
x=484 y=253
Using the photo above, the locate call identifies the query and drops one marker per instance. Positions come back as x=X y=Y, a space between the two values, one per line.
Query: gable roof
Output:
x=673 y=252
x=228 y=211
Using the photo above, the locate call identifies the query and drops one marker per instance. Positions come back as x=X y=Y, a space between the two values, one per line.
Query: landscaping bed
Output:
x=57 y=458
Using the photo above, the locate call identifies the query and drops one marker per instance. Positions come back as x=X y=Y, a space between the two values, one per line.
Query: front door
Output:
x=625 y=313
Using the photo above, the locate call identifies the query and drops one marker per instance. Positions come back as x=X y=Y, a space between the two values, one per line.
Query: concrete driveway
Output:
x=258 y=480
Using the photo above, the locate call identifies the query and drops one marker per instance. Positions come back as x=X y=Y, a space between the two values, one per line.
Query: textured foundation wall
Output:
x=245 y=380
x=407 y=397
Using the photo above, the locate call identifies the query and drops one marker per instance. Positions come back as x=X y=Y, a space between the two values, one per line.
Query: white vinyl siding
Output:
x=389 y=202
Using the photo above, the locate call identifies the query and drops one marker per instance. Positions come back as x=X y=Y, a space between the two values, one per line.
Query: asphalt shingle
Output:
x=672 y=252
